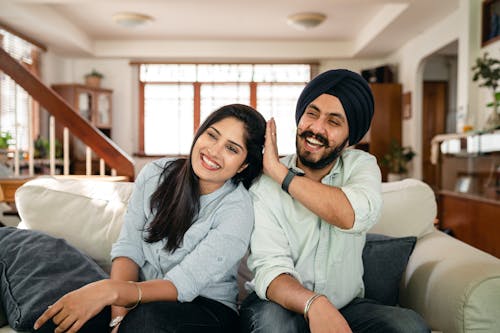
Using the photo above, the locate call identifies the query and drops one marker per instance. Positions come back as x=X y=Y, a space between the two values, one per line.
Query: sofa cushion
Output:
x=412 y=199
x=384 y=260
x=35 y=271
x=87 y=213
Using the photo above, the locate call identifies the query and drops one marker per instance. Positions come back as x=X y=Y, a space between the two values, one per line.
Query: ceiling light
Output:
x=131 y=20
x=304 y=21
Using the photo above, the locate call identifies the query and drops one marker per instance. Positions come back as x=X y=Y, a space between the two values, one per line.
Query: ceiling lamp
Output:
x=131 y=20
x=305 y=21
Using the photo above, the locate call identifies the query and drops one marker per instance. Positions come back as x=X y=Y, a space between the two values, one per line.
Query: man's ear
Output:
x=242 y=167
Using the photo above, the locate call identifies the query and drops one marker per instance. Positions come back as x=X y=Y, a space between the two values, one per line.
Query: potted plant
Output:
x=42 y=148
x=488 y=70
x=396 y=160
x=93 y=78
x=5 y=141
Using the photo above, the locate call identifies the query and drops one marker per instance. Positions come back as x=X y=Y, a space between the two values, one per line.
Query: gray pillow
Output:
x=384 y=260
x=35 y=271
x=3 y=319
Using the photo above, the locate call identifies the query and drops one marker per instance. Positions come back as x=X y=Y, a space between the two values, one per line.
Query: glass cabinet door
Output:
x=103 y=116
x=85 y=105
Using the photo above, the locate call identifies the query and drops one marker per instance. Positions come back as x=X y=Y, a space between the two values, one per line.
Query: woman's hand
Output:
x=74 y=309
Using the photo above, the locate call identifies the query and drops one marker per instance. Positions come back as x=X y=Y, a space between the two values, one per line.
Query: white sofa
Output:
x=455 y=287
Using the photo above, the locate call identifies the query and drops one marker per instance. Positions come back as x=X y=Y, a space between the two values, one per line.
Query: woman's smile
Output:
x=209 y=163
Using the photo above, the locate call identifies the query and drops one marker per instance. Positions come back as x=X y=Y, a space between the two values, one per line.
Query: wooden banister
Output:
x=114 y=156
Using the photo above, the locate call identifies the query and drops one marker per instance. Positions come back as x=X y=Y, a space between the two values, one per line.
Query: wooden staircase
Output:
x=120 y=163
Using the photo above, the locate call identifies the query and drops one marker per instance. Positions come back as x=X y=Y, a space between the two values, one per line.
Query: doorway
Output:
x=439 y=96
x=434 y=106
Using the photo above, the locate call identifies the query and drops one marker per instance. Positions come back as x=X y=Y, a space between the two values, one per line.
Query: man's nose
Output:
x=318 y=127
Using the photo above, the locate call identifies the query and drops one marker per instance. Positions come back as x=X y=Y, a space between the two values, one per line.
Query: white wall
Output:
x=118 y=75
x=461 y=25
x=411 y=65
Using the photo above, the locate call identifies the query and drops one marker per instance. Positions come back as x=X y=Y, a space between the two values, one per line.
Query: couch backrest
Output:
x=88 y=213
x=409 y=209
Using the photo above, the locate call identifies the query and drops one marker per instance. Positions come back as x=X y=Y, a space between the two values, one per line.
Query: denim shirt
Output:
x=289 y=238
x=206 y=263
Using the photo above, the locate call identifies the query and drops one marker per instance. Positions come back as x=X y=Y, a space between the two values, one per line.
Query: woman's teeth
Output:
x=211 y=164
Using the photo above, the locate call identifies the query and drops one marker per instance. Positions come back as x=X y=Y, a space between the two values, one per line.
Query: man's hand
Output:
x=271 y=163
x=74 y=309
x=325 y=318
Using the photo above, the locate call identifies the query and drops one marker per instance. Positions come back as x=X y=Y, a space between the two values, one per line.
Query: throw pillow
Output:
x=3 y=320
x=88 y=214
x=384 y=260
x=35 y=271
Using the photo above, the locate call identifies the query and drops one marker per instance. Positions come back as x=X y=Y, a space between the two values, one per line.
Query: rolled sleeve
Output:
x=363 y=190
x=219 y=252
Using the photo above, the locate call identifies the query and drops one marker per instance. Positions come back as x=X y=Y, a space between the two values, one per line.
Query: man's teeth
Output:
x=313 y=141
x=210 y=163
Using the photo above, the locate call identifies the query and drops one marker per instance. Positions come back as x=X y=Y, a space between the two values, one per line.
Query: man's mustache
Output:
x=319 y=137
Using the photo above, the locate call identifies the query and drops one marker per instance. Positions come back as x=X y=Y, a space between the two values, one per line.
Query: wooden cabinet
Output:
x=472 y=219
x=93 y=104
x=386 y=122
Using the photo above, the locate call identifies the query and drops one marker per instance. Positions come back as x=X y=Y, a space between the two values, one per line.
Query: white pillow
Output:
x=409 y=209
x=87 y=213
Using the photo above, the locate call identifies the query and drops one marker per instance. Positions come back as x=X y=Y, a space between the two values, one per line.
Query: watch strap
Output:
x=288 y=179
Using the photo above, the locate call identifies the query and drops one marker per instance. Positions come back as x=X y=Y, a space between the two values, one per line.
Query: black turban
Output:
x=353 y=92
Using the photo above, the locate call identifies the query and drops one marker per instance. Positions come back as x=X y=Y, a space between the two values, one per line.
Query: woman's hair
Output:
x=176 y=201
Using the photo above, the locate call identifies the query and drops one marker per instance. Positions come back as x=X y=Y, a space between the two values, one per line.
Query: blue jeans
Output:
x=202 y=315
x=362 y=315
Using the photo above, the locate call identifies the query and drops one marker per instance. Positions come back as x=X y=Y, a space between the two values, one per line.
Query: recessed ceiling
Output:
x=369 y=27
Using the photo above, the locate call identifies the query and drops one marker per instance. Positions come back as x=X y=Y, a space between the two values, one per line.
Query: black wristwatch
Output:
x=288 y=178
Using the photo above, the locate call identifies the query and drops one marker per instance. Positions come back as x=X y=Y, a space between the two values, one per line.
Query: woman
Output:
x=187 y=226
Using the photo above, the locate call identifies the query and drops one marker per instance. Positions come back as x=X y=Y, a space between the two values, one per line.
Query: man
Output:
x=312 y=212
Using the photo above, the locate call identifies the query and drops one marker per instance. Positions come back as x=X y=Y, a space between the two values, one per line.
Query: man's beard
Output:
x=326 y=160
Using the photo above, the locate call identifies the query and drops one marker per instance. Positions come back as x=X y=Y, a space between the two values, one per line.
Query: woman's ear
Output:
x=242 y=167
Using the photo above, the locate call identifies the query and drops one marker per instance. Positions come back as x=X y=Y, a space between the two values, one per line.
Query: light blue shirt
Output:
x=206 y=263
x=289 y=238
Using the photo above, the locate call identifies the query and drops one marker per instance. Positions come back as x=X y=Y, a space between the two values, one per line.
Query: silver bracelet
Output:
x=139 y=298
x=308 y=305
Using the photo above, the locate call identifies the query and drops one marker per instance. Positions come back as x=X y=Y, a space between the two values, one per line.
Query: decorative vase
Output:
x=493 y=121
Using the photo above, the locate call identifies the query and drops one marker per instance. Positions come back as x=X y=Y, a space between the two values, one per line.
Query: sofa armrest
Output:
x=455 y=287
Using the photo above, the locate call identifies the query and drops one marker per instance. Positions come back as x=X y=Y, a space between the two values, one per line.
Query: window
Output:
x=15 y=103
x=177 y=98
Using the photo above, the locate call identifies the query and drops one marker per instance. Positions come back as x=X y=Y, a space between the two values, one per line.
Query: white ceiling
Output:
x=353 y=28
